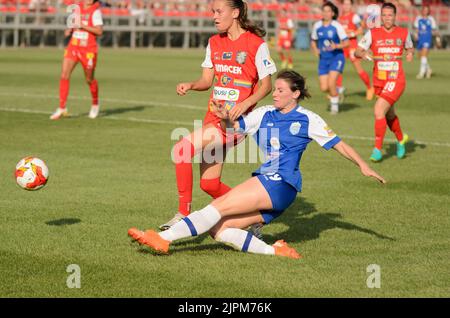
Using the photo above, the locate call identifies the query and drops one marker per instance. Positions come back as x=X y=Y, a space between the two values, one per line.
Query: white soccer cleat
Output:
x=93 y=113
x=59 y=113
x=420 y=76
x=428 y=73
x=178 y=217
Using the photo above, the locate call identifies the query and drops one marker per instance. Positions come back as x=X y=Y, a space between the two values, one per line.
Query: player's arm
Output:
x=349 y=153
x=409 y=48
x=341 y=45
x=264 y=88
x=362 y=51
x=314 y=48
x=96 y=30
x=202 y=84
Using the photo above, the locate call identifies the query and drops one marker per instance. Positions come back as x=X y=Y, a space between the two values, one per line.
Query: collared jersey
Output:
x=325 y=35
x=425 y=27
x=238 y=66
x=387 y=48
x=283 y=139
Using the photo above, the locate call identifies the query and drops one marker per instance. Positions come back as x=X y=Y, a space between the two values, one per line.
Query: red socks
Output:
x=93 y=87
x=365 y=78
x=63 y=92
x=394 y=126
x=339 y=81
x=380 y=131
x=184 y=151
x=214 y=187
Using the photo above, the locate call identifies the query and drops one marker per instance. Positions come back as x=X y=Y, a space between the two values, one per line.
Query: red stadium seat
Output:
x=273 y=6
x=257 y=6
x=158 y=13
x=303 y=9
x=106 y=11
x=51 y=10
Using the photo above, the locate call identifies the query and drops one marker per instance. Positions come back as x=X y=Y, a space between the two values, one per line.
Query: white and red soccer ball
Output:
x=31 y=173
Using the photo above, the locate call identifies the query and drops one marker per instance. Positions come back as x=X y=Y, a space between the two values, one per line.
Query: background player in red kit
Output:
x=236 y=60
x=352 y=26
x=285 y=38
x=387 y=44
x=82 y=48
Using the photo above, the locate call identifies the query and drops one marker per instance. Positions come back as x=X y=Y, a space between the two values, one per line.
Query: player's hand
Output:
x=182 y=88
x=333 y=46
x=218 y=109
x=68 y=32
x=365 y=170
x=366 y=56
x=236 y=111
x=409 y=56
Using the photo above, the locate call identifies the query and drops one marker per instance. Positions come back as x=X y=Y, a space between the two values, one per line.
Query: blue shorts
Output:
x=424 y=45
x=335 y=63
x=281 y=193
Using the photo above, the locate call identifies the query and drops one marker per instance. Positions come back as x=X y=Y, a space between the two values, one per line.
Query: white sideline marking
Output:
x=111 y=100
x=181 y=123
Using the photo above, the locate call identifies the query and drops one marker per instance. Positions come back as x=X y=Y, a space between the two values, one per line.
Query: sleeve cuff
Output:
x=331 y=143
x=241 y=124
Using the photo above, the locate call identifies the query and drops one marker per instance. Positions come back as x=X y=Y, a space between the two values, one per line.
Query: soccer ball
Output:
x=31 y=173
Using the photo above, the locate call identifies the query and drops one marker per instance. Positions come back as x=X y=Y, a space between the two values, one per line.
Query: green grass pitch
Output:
x=115 y=172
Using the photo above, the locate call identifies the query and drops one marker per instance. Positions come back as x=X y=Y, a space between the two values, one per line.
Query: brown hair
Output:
x=389 y=5
x=296 y=82
x=243 y=20
x=333 y=8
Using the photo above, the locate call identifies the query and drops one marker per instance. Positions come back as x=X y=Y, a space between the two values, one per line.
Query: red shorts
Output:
x=87 y=57
x=390 y=90
x=229 y=139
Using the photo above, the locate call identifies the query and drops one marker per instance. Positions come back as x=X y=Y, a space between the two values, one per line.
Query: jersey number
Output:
x=390 y=86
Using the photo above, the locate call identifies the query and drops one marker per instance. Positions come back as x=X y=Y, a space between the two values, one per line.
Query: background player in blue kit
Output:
x=328 y=41
x=426 y=27
x=283 y=132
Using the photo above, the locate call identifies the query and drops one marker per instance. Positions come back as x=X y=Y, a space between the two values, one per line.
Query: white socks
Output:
x=195 y=224
x=334 y=104
x=244 y=241
x=423 y=65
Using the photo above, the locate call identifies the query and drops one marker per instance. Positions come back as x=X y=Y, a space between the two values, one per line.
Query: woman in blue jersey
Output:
x=328 y=39
x=425 y=26
x=282 y=131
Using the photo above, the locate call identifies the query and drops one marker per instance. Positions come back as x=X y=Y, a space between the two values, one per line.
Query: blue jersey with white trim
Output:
x=283 y=139
x=425 y=27
x=325 y=35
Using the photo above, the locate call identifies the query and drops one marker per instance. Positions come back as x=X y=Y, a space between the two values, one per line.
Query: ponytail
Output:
x=243 y=20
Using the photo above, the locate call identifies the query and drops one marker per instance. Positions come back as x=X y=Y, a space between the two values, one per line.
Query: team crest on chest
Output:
x=241 y=56
x=225 y=80
x=330 y=33
x=295 y=128
x=399 y=42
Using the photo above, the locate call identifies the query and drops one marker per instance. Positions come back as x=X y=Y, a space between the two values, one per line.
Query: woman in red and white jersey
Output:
x=237 y=59
x=82 y=47
x=352 y=26
x=388 y=45
x=285 y=37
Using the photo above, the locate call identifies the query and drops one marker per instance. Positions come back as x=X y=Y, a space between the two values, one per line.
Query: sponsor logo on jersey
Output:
x=227 y=56
x=225 y=80
x=229 y=105
x=216 y=56
x=268 y=62
x=392 y=75
x=390 y=42
x=223 y=93
x=391 y=50
x=269 y=124
x=242 y=83
x=329 y=131
x=388 y=66
x=295 y=128
x=241 y=56
x=275 y=143
x=221 y=68
x=379 y=42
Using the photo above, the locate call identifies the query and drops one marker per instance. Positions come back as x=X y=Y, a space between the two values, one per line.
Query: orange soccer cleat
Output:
x=283 y=249
x=151 y=239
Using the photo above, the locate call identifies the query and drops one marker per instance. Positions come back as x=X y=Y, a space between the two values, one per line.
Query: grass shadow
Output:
x=302 y=227
x=115 y=111
x=64 y=221
x=411 y=147
x=345 y=107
